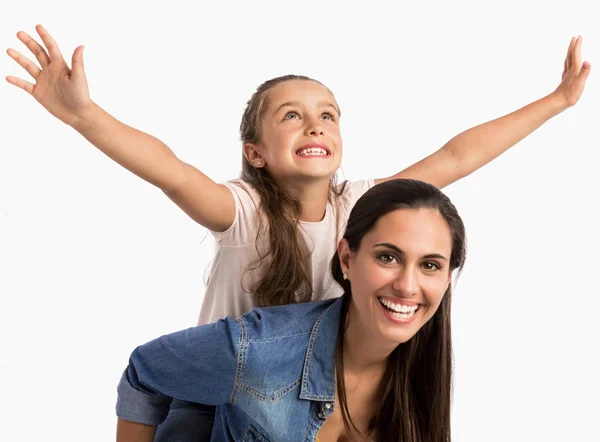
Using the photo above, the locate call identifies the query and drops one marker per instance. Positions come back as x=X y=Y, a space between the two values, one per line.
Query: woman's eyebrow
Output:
x=401 y=252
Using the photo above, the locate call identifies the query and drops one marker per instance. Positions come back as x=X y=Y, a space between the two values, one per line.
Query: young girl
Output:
x=277 y=226
x=375 y=364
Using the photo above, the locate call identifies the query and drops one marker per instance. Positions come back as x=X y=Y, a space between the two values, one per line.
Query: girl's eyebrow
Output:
x=287 y=103
x=330 y=104
x=298 y=104
x=401 y=252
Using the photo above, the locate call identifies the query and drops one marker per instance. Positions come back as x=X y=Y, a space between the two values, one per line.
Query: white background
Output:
x=94 y=261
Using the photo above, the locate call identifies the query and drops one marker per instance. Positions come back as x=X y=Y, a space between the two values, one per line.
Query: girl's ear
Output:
x=253 y=155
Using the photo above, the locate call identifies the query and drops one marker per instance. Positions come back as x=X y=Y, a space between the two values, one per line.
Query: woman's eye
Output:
x=431 y=266
x=387 y=258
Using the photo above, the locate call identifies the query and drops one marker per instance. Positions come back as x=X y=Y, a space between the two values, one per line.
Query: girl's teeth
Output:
x=313 y=151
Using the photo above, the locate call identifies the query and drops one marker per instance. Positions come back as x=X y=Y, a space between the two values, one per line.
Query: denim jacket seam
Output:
x=312 y=419
x=254 y=432
x=269 y=398
x=317 y=397
x=278 y=338
x=311 y=344
x=240 y=360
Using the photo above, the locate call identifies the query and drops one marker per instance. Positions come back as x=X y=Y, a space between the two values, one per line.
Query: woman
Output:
x=374 y=364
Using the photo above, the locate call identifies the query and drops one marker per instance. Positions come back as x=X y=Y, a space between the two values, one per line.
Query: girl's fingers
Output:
x=24 y=62
x=49 y=43
x=576 y=63
x=35 y=48
x=584 y=72
x=25 y=85
x=77 y=64
x=569 y=59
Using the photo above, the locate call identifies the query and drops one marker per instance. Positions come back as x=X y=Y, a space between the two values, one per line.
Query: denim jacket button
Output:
x=328 y=405
x=321 y=415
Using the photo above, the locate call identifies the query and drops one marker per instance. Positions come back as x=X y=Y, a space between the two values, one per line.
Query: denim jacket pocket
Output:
x=273 y=367
x=252 y=435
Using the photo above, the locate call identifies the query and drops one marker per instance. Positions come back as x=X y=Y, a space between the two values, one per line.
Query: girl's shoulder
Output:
x=243 y=193
x=247 y=203
x=348 y=192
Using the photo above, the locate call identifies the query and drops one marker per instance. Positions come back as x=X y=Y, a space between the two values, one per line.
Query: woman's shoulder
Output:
x=271 y=323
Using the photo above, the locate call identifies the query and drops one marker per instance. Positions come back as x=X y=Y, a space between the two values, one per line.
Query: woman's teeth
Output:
x=399 y=311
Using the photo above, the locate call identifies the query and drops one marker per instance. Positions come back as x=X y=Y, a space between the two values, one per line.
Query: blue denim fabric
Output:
x=186 y=422
x=270 y=373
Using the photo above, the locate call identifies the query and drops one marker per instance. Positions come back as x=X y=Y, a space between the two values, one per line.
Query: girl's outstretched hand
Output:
x=63 y=91
x=575 y=74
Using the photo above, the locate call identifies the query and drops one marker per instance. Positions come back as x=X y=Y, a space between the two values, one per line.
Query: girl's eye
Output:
x=431 y=266
x=292 y=115
x=387 y=258
x=328 y=117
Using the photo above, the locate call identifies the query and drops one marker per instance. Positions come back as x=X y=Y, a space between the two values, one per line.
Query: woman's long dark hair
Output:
x=416 y=388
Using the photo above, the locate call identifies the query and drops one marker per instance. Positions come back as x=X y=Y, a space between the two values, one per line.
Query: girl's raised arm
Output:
x=474 y=148
x=63 y=91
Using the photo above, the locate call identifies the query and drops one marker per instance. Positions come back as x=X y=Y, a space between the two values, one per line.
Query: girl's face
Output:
x=399 y=274
x=300 y=132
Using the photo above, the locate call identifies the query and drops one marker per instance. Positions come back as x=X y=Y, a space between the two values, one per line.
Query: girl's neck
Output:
x=312 y=196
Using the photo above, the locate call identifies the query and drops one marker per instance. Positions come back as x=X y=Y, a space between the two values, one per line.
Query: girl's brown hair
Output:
x=416 y=388
x=285 y=279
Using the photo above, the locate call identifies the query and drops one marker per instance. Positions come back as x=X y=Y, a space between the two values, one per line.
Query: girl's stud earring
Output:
x=345 y=276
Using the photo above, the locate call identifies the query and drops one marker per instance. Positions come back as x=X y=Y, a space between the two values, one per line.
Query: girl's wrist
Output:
x=86 y=118
x=557 y=102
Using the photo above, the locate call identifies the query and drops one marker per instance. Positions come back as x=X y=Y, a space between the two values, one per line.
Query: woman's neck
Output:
x=364 y=352
x=365 y=362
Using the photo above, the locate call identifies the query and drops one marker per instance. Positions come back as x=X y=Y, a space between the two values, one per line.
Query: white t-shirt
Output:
x=236 y=251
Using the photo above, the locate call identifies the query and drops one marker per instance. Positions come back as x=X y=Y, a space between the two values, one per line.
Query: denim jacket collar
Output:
x=318 y=376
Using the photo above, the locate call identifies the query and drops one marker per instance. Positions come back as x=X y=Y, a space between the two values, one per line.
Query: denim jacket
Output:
x=270 y=373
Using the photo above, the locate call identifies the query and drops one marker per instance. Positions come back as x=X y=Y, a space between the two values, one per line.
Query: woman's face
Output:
x=399 y=273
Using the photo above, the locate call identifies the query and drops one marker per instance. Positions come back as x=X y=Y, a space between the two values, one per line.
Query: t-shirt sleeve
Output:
x=358 y=189
x=243 y=229
x=196 y=365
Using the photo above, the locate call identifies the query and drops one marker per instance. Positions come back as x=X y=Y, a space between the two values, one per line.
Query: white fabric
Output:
x=236 y=250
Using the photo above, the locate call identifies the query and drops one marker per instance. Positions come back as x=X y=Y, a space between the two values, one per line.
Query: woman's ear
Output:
x=253 y=155
x=345 y=256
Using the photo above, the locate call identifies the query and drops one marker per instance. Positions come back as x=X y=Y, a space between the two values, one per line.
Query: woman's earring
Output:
x=345 y=276
x=259 y=163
